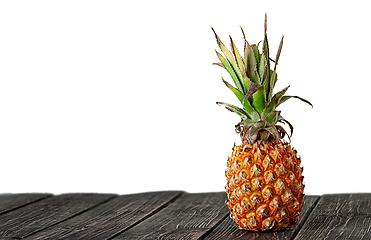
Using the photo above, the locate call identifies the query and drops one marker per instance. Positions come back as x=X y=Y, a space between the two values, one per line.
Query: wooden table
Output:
x=170 y=215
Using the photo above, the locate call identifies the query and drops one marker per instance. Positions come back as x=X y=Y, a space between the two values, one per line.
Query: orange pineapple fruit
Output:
x=264 y=175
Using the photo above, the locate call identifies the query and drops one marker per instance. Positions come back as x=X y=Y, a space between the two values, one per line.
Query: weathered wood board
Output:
x=170 y=215
x=227 y=229
x=110 y=218
x=340 y=216
x=191 y=217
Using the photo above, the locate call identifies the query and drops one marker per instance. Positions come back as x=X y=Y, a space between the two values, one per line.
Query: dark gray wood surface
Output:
x=10 y=202
x=340 y=216
x=191 y=217
x=40 y=215
x=228 y=230
x=170 y=215
x=110 y=218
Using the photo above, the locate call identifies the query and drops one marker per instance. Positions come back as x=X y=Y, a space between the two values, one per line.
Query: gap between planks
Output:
x=149 y=214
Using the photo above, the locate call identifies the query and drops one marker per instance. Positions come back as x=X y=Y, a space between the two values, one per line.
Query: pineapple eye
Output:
x=275 y=204
x=293 y=205
x=238 y=209
x=248 y=160
x=268 y=223
x=252 y=221
x=257 y=183
x=244 y=175
x=280 y=169
x=279 y=186
x=246 y=204
x=286 y=195
x=263 y=211
x=237 y=164
x=267 y=162
x=256 y=170
x=290 y=178
x=246 y=187
x=256 y=199
x=268 y=192
x=269 y=177
x=281 y=214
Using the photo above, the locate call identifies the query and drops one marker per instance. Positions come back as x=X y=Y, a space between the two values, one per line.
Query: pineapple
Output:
x=264 y=177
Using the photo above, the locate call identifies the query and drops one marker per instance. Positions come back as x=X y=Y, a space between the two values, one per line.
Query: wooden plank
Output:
x=10 y=202
x=228 y=230
x=339 y=216
x=190 y=217
x=111 y=218
x=32 y=218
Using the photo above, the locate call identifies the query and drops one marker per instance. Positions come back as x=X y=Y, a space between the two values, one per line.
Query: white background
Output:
x=119 y=96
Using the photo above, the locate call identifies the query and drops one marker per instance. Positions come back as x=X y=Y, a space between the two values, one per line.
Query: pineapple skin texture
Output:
x=264 y=186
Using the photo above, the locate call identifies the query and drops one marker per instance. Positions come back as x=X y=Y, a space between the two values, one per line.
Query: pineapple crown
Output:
x=254 y=83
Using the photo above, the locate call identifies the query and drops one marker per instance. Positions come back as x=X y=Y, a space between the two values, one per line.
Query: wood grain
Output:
x=110 y=218
x=339 y=216
x=10 y=202
x=32 y=218
x=190 y=217
x=170 y=215
x=228 y=230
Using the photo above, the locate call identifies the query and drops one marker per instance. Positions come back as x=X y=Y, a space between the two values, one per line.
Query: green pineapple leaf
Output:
x=278 y=54
x=282 y=120
x=285 y=98
x=266 y=50
x=219 y=64
x=236 y=92
x=241 y=112
x=238 y=58
x=231 y=71
x=268 y=82
x=272 y=83
x=232 y=64
x=256 y=53
x=252 y=89
x=262 y=67
x=259 y=99
x=272 y=118
x=243 y=34
x=251 y=110
x=246 y=82
x=251 y=64
x=274 y=102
